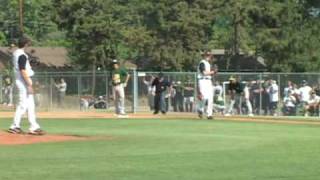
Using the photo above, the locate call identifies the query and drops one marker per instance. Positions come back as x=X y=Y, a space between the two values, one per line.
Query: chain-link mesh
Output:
x=85 y=91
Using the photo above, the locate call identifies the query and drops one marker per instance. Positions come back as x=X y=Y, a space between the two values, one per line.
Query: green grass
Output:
x=167 y=149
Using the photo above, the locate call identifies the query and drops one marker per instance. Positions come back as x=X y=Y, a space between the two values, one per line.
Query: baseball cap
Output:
x=232 y=78
x=304 y=82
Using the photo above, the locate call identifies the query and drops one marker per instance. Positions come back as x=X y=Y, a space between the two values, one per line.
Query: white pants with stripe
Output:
x=118 y=96
x=206 y=90
x=26 y=103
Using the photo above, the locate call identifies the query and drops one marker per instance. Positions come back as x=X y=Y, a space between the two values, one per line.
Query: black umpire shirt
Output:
x=161 y=86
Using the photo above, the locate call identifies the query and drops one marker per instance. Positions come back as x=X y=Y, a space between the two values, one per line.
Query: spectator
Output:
x=178 y=98
x=218 y=102
x=256 y=91
x=246 y=94
x=37 y=88
x=296 y=93
x=8 y=91
x=317 y=89
x=289 y=104
x=61 y=88
x=151 y=91
x=288 y=88
x=265 y=97
x=273 y=91
x=312 y=106
x=305 y=92
x=189 y=97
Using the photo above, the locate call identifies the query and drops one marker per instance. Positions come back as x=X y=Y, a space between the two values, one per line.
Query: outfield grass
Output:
x=167 y=149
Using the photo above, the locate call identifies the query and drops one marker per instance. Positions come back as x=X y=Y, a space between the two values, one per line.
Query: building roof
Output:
x=242 y=63
x=43 y=57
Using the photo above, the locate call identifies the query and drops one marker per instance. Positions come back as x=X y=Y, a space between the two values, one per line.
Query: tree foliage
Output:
x=168 y=35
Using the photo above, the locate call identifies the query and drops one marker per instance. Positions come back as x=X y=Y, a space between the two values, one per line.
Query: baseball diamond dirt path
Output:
x=22 y=139
x=169 y=116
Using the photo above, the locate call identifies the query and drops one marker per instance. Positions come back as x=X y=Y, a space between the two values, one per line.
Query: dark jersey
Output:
x=189 y=93
x=236 y=86
x=161 y=86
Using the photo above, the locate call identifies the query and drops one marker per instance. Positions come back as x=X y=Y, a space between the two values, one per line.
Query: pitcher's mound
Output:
x=18 y=139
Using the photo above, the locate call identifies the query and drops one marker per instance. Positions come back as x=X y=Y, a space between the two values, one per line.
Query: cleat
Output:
x=209 y=117
x=200 y=114
x=37 y=132
x=123 y=115
x=15 y=131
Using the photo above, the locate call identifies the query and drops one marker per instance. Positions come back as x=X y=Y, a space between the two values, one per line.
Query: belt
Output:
x=117 y=84
x=204 y=78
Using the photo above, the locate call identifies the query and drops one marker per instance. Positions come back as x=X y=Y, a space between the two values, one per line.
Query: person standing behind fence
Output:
x=289 y=104
x=37 y=93
x=61 y=88
x=161 y=85
x=246 y=95
x=273 y=91
x=151 y=91
x=120 y=78
x=8 y=91
x=189 y=97
x=305 y=92
x=218 y=101
x=178 y=98
x=23 y=73
x=205 y=86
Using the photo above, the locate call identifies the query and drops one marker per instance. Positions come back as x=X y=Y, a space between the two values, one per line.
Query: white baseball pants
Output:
x=206 y=90
x=26 y=103
x=118 y=96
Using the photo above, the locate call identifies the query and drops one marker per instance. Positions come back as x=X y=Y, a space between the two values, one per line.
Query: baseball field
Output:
x=162 y=148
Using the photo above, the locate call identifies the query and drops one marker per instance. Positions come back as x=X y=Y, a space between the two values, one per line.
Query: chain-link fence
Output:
x=86 y=91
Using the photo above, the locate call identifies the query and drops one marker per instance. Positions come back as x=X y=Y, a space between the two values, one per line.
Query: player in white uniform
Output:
x=23 y=74
x=205 y=87
x=246 y=95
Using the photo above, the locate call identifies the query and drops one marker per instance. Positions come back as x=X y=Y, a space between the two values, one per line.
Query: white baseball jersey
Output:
x=207 y=68
x=246 y=92
x=16 y=66
x=305 y=93
x=274 y=93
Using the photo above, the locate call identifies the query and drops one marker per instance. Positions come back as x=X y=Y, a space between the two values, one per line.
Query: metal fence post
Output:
x=51 y=93
x=260 y=94
x=195 y=92
x=107 y=88
x=279 y=95
x=79 y=78
x=135 y=103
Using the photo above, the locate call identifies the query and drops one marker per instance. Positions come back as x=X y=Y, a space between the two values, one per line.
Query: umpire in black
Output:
x=161 y=86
